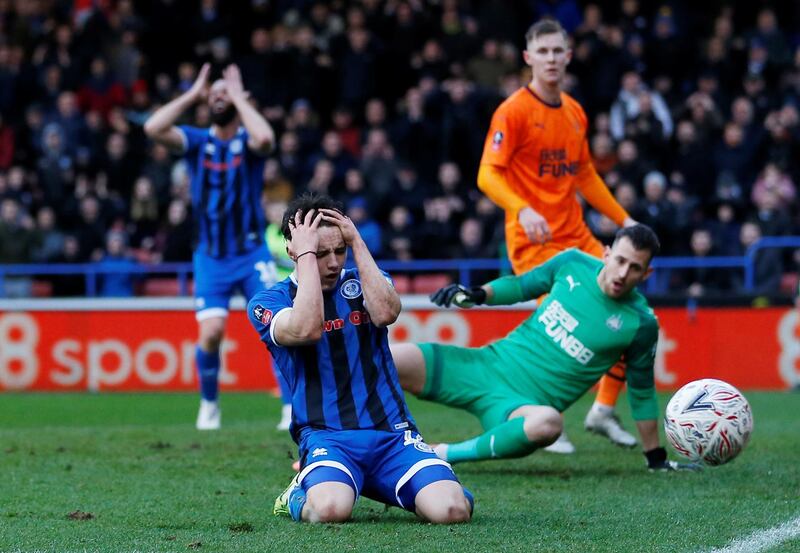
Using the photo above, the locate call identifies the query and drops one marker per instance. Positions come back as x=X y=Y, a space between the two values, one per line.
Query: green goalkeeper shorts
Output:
x=466 y=378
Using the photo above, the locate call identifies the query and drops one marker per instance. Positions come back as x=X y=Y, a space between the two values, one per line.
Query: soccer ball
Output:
x=709 y=421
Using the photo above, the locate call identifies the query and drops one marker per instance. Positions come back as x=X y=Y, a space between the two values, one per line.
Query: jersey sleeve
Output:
x=192 y=138
x=640 y=358
x=265 y=308
x=499 y=144
x=532 y=284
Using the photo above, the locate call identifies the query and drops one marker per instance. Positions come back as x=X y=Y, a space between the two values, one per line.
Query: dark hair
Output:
x=305 y=203
x=545 y=26
x=642 y=237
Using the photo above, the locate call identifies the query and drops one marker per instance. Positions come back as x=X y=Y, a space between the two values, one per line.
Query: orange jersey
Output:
x=543 y=152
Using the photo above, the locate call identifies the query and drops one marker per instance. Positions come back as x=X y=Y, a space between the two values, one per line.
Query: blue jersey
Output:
x=226 y=183
x=345 y=381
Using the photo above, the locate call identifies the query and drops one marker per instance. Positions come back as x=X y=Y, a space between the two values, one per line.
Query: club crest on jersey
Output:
x=210 y=149
x=497 y=139
x=351 y=289
x=263 y=315
x=614 y=322
x=236 y=146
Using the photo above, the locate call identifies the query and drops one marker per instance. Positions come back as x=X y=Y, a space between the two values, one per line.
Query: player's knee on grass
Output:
x=329 y=502
x=410 y=365
x=543 y=424
x=443 y=502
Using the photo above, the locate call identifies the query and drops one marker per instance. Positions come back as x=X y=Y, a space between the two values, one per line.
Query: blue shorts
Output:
x=390 y=467
x=216 y=280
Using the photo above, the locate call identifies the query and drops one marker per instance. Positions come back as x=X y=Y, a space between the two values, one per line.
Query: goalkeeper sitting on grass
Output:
x=519 y=386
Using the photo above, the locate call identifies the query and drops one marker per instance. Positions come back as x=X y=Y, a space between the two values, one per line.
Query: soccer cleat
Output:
x=292 y=497
x=608 y=425
x=561 y=445
x=286 y=417
x=209 y=417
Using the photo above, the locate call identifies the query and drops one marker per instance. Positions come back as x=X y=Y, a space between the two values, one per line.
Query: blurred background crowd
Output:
x=384 y=104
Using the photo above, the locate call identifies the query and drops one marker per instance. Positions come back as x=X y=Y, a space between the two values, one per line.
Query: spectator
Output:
x=690 y=163
x=144 y=212
x=114 y=267
x=378 y=164
x=733 y=164
x=415 y=135
x=703 y=281
x=69 y=284
x=489 y=67
x=399 y=237
x=49 y=239
x=100 y=92
x=439 y=229
x=768 y=263
x=54 y=167
x=91 y=229
x=17 y=240
x=367 y=227
x=174 y=240
x=725 y=230
x=633 y=101
x=774 y=181
x=604 y=156
x=655 y=211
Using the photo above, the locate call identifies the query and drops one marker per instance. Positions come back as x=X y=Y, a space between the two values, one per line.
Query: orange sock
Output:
x=611 y=385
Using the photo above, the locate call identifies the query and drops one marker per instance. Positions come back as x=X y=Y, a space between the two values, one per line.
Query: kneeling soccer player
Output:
x=519 y=385
x=326 y=330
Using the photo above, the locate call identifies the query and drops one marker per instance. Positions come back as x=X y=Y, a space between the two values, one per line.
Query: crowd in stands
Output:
x=384 y=104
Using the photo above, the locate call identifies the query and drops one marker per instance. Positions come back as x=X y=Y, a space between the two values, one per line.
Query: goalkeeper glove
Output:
x=657 y=461
x=459 y=295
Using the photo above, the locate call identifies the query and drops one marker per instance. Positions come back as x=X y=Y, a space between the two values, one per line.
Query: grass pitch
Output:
x=124 y=473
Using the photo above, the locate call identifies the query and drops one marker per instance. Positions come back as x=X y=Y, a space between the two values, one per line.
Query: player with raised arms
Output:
x=325 y=327
x=519 y=385
x=225 y=162
x=535 y=158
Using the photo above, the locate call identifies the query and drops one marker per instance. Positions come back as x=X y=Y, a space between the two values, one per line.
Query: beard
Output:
x=224 y=117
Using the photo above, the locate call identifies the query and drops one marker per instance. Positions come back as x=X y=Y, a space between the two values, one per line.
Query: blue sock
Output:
x=470 y=498
x=208 y=373
x=297 y=499
x=286 y=393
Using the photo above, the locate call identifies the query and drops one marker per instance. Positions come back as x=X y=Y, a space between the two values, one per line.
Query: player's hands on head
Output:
x=458 y=295
x=535 y=226
x=657 y=462
x=305 y=237
x=199 y=88
x=233 y=82
x=348 y=228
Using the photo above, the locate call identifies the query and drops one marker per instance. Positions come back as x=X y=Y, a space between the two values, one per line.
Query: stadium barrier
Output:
x=462 y=268
x=147 y=344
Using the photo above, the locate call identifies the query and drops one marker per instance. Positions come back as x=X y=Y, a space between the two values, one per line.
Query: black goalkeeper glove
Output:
x=459 y=295
x=657 y=461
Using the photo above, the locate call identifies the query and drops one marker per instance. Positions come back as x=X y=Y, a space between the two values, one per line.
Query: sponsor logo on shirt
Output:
x=559 y=325
x=555 y=163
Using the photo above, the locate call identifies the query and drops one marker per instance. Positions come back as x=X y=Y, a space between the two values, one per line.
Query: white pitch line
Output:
x=763 y=539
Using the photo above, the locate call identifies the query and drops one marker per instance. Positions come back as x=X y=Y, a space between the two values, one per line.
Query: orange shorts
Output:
x=531 y=255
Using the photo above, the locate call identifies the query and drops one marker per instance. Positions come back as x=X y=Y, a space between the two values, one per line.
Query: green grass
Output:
x=153 y=483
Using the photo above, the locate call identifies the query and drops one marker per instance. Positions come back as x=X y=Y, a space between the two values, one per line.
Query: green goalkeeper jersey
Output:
x=576 y=335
